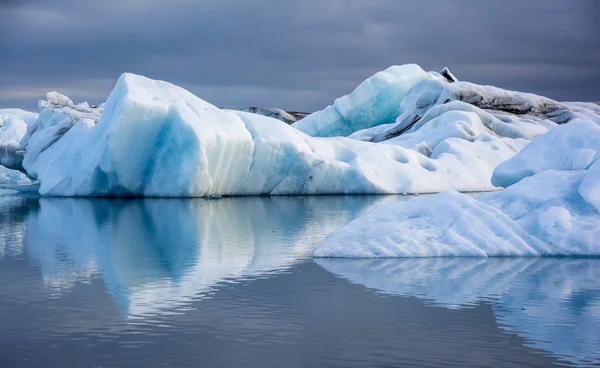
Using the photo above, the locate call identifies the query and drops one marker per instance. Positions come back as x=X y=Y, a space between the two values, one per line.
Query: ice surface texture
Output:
x=551 y=210
x=376 y=101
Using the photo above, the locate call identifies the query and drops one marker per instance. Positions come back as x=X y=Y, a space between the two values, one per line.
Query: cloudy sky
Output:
x=298 y=55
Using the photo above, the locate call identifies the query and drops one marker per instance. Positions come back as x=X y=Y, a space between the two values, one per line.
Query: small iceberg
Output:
x=552 y=209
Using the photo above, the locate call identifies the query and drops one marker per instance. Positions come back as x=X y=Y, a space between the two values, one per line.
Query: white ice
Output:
x=573 y=146
x=552 y=210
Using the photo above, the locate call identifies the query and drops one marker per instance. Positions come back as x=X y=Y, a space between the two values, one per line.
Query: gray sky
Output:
x=297 y=55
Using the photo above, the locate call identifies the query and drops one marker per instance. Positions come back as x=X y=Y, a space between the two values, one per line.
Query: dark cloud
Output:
x=293 y=54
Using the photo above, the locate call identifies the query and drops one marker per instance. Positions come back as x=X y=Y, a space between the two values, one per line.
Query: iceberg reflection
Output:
x=553 y=303
x=157 y=255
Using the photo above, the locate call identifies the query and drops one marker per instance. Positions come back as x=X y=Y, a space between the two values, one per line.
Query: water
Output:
x=230 y=282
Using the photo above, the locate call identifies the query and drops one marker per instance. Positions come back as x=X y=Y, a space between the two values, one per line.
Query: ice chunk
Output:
x=543 y=215
x=57 y=115
x=447 y=224
x=573 y=146
x=11 y=153
x=376 y=101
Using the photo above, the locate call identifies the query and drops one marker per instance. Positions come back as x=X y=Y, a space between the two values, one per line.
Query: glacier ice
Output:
x=152 y=138
x=157 y=139
x=551 y=210
x=530 y=218
x=374 y=102
x=56 y=117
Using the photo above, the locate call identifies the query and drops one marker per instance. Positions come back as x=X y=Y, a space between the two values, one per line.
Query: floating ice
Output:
x=530 y=218
x=552 y=210
x=156 y=139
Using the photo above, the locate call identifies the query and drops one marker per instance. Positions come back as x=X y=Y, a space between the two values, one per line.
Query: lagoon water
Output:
x=230 y=282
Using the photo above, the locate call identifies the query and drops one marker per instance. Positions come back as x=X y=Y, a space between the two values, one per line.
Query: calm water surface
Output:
x=230 y=283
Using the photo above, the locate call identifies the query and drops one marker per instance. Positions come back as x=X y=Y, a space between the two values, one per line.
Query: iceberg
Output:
x=156 y=139
x=409 y=132
x=553 y=212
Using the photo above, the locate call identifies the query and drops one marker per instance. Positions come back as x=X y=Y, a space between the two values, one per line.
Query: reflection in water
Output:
x=156 y=257
x=159 y=254
x=553 y=303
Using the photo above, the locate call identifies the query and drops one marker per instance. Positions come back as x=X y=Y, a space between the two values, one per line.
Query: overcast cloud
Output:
x=298 y=55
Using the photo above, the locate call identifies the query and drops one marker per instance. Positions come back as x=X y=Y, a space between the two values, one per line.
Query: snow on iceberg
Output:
x=375 y=101
x=573 y=146
x=552 y=213
x=157 y=139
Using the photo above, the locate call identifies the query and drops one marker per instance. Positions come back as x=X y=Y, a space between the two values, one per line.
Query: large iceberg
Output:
x=156 y=139
x=152 y=138
x=553 y=212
